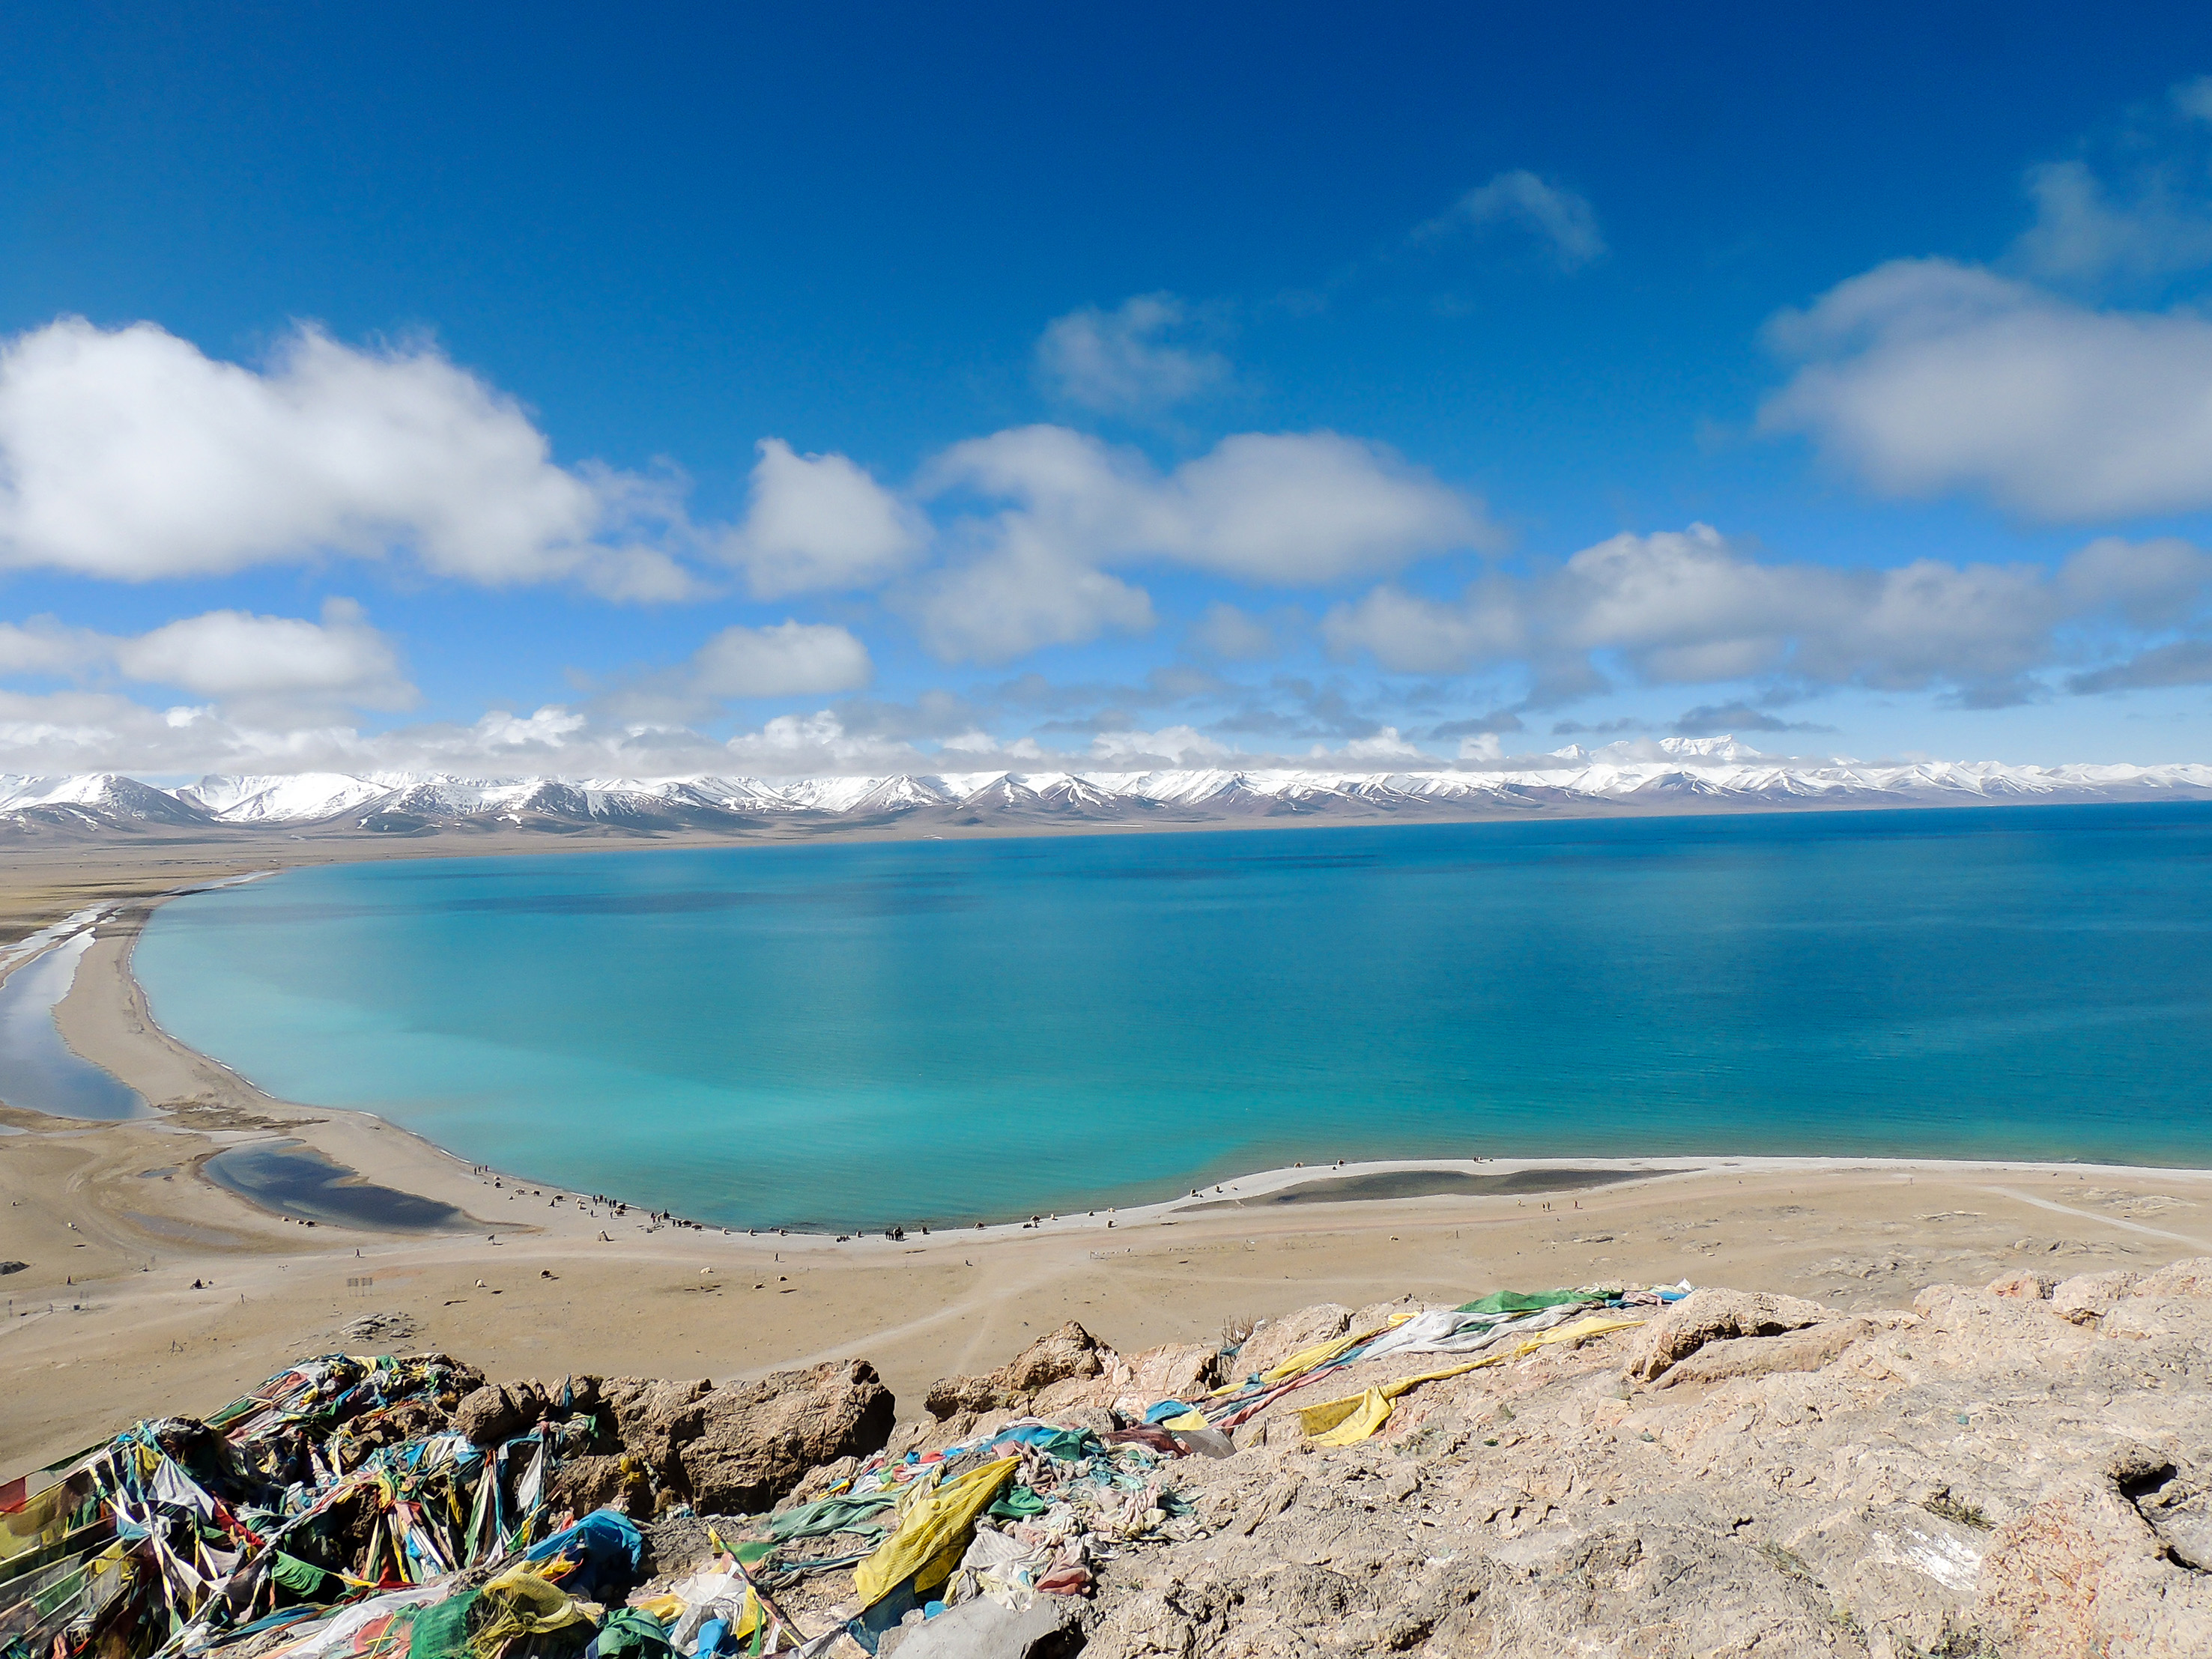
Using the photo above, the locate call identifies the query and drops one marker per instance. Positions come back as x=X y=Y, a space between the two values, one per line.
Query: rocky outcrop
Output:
x=653 y=1419
x=648 y=1443
x=757 y=1440
x=498 y=1411
x=2023 y=1470
x=1710 y=1316
x=1068 y=1354
x=1807 y=1349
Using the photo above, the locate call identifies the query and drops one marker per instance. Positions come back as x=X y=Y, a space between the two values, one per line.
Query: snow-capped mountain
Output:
x=1673 y=773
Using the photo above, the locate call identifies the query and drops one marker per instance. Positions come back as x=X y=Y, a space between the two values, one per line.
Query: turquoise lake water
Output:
x=858 y=1035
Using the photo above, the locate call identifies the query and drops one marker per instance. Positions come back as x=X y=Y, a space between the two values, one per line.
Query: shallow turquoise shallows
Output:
x=859 y=1034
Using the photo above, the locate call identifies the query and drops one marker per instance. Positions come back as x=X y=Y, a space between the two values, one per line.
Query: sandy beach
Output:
x=115 y=1222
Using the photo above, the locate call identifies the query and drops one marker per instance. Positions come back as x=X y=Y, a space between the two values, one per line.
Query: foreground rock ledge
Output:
x=2023 y=1470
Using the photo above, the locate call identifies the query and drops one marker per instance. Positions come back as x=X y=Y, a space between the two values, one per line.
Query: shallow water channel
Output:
x=39 y=1072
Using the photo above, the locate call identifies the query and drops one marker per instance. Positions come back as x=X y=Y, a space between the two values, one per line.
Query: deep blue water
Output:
x=861 y=1033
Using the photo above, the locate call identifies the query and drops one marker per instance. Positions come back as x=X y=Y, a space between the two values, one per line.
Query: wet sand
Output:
x=1429 y=1183
x=117 y=1221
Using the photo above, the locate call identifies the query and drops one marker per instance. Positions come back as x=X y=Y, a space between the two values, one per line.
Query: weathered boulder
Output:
x=1804 y=1350
x=755 y=1441
x=2027 y=1286
x=499 y=1411
x=1709 y=1315
x=2189 y=1278
x=491 y=1413
x=594 y=1481
x=956 y=1396
x=1177 y=1371
x=655 y=1418
x=1068 y=1354
x=2086 y=1297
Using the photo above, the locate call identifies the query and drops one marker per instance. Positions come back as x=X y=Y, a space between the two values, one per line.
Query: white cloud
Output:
x=1290 y=507
x=1687 y=607
x=2142 y=213
x=2181 y=662
x=1565 y=221
x=126 y=454
x=282 y=672
x=237 y=657
x=788 y=659
x=500 y=732
x=2080 y=234
x=1383 y=744
x=1122 y=361
x=1023 y=594
x=1409 y=634
x=1177 y=746
x=819 y=523
x=1924 y=376
x=795 y=745
x=44 y=646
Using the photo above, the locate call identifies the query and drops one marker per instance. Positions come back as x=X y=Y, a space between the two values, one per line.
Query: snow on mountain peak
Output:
x=1639 y=771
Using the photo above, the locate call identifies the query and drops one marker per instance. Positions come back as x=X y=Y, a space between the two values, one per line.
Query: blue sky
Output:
x=859 y=389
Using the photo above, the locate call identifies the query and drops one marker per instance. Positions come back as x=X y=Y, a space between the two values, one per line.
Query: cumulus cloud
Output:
x=82 y=730
x=1171 y=746
x=1564 y=221
x=43 y=647
x=503 y=734
x=819 y=523
x=235 y=656
x=1410 y=634
x=1925 y=376
x=1383 y=744
x=790 y=659
x=1688 y=607
x=282 y=672
x=128 y=454
x=1024 y=593
x=1290 y=508
x=1124 y=362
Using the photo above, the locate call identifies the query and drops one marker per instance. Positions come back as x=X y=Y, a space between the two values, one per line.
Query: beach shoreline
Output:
x=170 y=1291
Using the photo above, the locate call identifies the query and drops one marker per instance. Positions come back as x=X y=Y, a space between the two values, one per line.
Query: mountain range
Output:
x=1669 y=774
